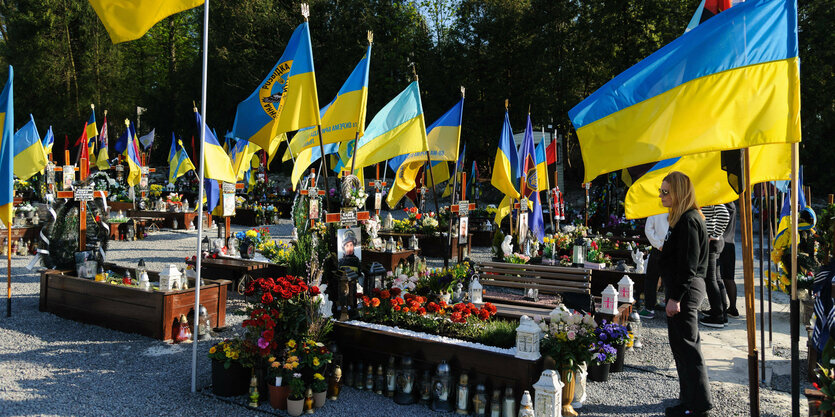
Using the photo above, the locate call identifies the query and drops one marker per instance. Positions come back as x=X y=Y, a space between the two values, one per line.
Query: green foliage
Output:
x=63 y=234
x=498 y=238
x=498 y=333
x=824 y=227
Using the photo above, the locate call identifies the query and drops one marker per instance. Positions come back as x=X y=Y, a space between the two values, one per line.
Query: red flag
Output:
x=192 y=148
x=83 y=142
x=551 y=153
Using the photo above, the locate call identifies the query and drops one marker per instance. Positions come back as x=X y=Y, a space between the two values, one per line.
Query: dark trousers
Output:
x=651 y=279
x=727 y=264
x=714 y=285
x=685 y=342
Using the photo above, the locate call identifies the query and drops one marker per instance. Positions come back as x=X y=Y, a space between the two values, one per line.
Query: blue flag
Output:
x=530 y=185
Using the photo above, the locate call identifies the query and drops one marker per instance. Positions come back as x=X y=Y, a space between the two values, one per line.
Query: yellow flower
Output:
x=276 y=365
x=271 y=359
x=318 y=376
x=228 y=354
x=251 y=233
x=213 y=349
x=291 y=343
x=235 y=356
x=293 y=358
x=315 y=361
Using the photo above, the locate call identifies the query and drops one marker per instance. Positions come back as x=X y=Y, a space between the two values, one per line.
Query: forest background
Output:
x=546 y=55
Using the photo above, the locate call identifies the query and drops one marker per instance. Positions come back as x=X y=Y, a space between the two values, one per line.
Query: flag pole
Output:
x=772 y=207
x=748 y=274
x=761 y=189
x=512 y=230
x=547 y=186
x=454 y=182
x=432 y=178
x=359 y=116
x=794 y=304
x=9 y=270
x=200 y=194
x=306 y=13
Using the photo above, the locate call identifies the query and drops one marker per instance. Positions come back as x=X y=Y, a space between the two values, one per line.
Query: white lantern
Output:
x=527 y=339
x=625 y=290
x=609 y=303
x=389 y=222
x=548 y=394
x=144 y=283
x=170 y=278
x=476 y=291
x=526 y=406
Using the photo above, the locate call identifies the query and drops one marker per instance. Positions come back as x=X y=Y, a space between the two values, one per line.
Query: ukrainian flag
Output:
x=505 y=170
x=732 y=82
x=129 y=20
x=132 y=153
x=172 y=151
x=7 y=151
x=29 y=156
x=179 y=164
x=343 y=119
x=768 y=163
x=541 y=165
x=92 y=128
x=783 y=239
x=102 y=161
x=217 y=165
x=443 y=137
x=308 y=157
x=397 y=129
x=286 y=100
x=48 y=141
x=530 y=185
x=241 y=155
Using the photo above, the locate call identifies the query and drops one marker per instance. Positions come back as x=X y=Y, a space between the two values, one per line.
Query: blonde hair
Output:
x=683 y=195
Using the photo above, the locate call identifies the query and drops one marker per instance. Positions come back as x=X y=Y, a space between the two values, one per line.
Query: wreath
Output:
x=62 y=233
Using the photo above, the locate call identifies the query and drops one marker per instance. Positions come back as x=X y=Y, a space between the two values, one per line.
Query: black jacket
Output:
x=684 y=257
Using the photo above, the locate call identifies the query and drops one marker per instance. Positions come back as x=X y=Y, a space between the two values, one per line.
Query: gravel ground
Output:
x=53 y=366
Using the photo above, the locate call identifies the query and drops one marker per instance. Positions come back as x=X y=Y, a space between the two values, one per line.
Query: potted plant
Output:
x=602 y=356
x=596 y=259
x=295 y=402
x=320 y=390
x=567 y=342
x=230 y=368
x=278 y=387
x=616 y=336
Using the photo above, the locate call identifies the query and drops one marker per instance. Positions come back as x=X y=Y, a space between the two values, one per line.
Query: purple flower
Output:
x=263 y=343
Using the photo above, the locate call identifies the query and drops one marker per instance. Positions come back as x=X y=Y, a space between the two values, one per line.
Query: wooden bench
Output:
x=572 y=284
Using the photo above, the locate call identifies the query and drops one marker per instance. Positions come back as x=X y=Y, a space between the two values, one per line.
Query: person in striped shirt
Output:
x=717 y=219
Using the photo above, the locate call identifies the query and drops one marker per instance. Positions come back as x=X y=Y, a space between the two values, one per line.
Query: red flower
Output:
x=375 y=302
x=396 y=308
x=490 y=307
x=285 y=294
x=395 y=291
x=431 y=307
x=314 y=290
x=268 y=334
x=385 y=295
x=267 y=298
x=456 y=317
x=405 y=309
x=375 y=292
x=483 y=315
x=393 y=303
x=418 y=216
x=421 y=311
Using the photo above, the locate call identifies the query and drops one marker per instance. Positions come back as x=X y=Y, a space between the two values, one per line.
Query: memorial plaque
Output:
x=348 y=217
x=83 y=193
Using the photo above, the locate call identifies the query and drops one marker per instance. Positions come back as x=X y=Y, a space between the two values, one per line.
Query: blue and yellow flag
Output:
x=29 y=158
x=179 y=164
x=286 y=100
x=738 y=71
x=129 y=20
x=343 y=119
x=459 y=167
x=102 y=162
x=7 y=151
x=806 y=218
x=217 y=165
x=172 y=151
x=530 y=182
x=443 y=137
x=132 y=156
x=397 y=129
x=241 y=155
x=92 y=128
x=306 y=158
x=48 y=141
x=506 y=170
x=122 y=142
x=541 y=165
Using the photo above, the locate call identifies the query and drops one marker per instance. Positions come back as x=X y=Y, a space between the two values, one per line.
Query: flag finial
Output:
x=92 y=106
x=414 y=70
x=462 y=91
x=105 y=113
x=305 y=11
x=370 y=37
x=127 y=122
x=506 y=103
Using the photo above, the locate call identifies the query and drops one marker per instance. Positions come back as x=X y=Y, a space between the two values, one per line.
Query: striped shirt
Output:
x=716 y=220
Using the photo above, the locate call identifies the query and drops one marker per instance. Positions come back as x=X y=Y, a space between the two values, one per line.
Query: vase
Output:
x=599 y=373
x=618 y=365
x=319 y=399
x=580 y=386
x=278 y=396
x=229 y=382
x=567 y=377
x=295 y=407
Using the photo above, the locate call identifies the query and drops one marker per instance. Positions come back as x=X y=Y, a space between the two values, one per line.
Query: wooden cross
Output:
x=378 y=187
x=312 y=192
x=82 y=207
x=463 y=209
x=144 y=168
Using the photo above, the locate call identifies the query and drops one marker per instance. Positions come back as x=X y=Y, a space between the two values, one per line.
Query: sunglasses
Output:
x=663 y=191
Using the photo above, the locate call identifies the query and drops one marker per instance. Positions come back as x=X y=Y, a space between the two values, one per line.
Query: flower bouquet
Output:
x=568 y=338
x=615 y=336
x=517 y=258
x=280 y=312
x=357 y=198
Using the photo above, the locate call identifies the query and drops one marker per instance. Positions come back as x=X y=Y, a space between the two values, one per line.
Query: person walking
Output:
x=716 y=221
x=727 y=261
x=683 y=269
x=656 y=230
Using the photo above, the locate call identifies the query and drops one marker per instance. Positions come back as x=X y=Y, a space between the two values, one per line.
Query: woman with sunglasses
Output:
x=683 y=269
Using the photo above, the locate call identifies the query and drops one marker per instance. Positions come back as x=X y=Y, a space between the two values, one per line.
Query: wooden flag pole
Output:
x=771 y=208
x=454 y=185
x=748 y=274
x=794 y=304
x=761 y=189
x=361 y=115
